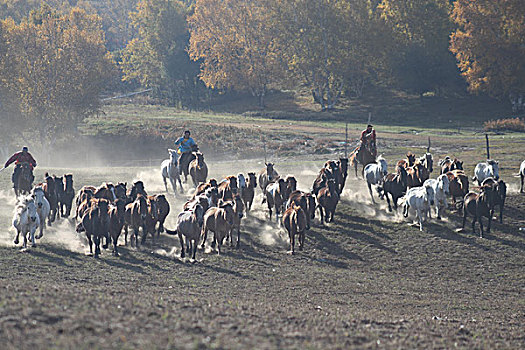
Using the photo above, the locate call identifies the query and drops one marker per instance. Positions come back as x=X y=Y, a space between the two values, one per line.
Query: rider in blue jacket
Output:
x=186 y=146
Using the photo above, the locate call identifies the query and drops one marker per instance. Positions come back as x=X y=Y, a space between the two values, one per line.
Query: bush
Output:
x=507 y=124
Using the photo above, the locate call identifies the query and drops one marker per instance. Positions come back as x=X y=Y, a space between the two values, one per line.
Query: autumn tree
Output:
x=421 y=61
x=54 y=68
x=157 y=56
x=489 y=45
x=235 y=42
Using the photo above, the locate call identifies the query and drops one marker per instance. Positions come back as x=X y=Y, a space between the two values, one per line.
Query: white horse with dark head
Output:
x=170 y=170
x=42 y=208
x=26 y=219
x=489 y=168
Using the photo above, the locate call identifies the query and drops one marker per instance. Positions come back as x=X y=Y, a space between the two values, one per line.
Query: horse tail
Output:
x=171 y=232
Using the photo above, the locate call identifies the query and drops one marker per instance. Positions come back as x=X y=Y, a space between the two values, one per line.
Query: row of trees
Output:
x=56 y=61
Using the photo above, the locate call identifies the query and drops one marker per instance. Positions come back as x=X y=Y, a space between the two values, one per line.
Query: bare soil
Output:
x=368 y=280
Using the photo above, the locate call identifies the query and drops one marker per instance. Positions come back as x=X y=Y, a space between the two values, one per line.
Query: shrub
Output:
x=507 y=124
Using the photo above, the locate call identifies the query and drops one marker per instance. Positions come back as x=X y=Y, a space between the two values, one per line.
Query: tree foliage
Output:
x=235 y=42
x=54 y=68
x=157 y=56
x=489 y=45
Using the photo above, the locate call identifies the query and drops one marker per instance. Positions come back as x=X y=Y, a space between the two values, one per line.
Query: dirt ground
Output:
x=368 y=280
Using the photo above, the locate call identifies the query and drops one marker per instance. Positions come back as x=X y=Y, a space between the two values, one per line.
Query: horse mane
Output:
x=491 y=162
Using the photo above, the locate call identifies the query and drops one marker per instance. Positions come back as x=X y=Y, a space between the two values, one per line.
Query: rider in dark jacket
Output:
x=18 y=158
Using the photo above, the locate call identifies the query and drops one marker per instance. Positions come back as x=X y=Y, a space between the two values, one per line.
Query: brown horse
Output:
x=499 y=188
x=106 y=191
x=198 y=169
x=136 y=189
x=291 y=185
x=83 y=197
x=409 y=161
x=417 y=174
x=447 y=164
x=163 y=207
x=479 y=205
x=306 y=201
x=228 y=188
x=396 y=185
x=321 y=180
x=135 y=216
x=266 y=176
x=24 y=179
x=50 y=192
x=294 y=220
x=65 y=197
x=327 y=201
x=458 y=184
x=121 y=191
x=189 y=224
x=116 y=214
x=151 y=219
x=361 y=155
x=219 y=220
x=343 y=173
x=249 y=191
x=212 y=183
x=95 y=223
x=238 y=214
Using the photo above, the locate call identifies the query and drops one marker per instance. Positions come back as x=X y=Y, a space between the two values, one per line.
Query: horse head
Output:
x=121 y=190
x=68 y=182
x=198 y=213
x=252 y=180
x=200 y=158
x=494 y=168
x=291 y=183
x=174 y=156
x=269 y=171
x=411 y=158
x=232 y=180
x=39 y=196
x=238 y=206
x=343 y=165
x=384 y=166
x=444 y=183
x=457 y=164
x=429 y=162
x=430 y=193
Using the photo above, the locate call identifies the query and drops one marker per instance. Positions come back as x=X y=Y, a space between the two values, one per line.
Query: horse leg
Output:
x=370 y=190
x=24 y=245
x=97 y=245
x=204 y=234
x=16 y=241
x=355 y=168
x=115 y=240
x=301 y=240
x=165 y=184
x=522 y=178
x=33 y=243
x=238 y=237
x=420 y=219
x=480 y=220
x=90 y=243
x=321 y=213
x=180 y=186
x=194 y=246
x=292 y=240
x=181 y=246
x=388 y=201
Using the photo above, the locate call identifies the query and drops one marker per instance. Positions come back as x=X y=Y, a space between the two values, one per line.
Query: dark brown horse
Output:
x=212 y=183
x=266 y=176
x=396 y=185
x=116 y=221
x=95 y=223
x=321 y=180
x=409 y=161
x=136 y=189
x=479 y=205
x=228 y=188
x=327 y=201
x=106 y=191
x=249 y=192
x=51 y=195
x=163 y=208
x=343 y=173
x=24 y=180
x=417 y=174
x=65 y=197
x=294 y=220
x=306 y=201
x=361 y=155
x=198 y=169
x=135 y=216
x=499 y=188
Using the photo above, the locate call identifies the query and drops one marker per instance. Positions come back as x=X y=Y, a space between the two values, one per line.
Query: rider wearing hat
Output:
x=186 y=146
x=368 y=139
x=18 y=158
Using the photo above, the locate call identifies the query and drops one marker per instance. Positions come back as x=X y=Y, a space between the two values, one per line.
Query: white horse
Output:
x=42 y=208
x=26 y=219
x=170 y=170
x=241 y=183
x=374 y=173
x=441 y=190
x=419 y=199
x=489 y=168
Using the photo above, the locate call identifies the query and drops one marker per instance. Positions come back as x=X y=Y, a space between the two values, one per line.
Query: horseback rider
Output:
x=186 y=146
x=368 y=139
x=20 y=158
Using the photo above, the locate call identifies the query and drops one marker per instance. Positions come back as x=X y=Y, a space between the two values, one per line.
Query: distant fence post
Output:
x=346 y=140
x=488 y=146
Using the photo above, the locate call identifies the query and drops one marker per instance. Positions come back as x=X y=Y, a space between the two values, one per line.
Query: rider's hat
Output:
x=187 y=131
x=25 y=148
x=369 y=126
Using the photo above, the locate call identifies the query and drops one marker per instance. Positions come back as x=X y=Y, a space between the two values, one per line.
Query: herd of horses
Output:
x=104 y=213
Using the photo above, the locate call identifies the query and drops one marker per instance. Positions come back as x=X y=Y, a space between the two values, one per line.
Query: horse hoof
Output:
x=33 y=245
x=291 y=252
x=16 y=241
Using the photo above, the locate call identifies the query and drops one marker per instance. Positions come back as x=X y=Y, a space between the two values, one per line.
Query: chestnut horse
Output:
x=198 y=169
x=294 y=220
x=361 y=155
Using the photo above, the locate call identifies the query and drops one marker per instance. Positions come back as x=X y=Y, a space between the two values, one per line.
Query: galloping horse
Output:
x=24 y=181
x=362 y=156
